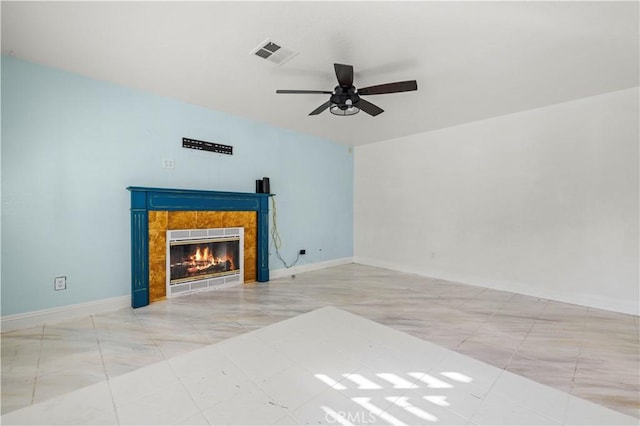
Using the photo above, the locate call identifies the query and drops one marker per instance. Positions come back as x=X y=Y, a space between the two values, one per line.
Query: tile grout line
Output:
x=504 y=370
x=155 y=344
x=533 y=324
x=184 y=387
x=35 y=379
x=200 y=410
x=580 y=348
x=106 y=375
x=486 y=321
x=575 y=368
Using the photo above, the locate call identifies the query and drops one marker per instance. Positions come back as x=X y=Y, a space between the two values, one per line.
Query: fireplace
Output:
x=204 y=259
x=154 y=211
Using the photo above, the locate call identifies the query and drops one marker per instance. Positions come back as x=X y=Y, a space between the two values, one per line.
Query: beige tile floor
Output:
x=324 y=367
x=589 y=353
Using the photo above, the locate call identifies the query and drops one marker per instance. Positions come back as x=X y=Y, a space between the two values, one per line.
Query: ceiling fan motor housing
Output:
x=342 y=94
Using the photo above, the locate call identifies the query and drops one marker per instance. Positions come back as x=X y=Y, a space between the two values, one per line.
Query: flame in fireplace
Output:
x=200 y=256
x=203 y=259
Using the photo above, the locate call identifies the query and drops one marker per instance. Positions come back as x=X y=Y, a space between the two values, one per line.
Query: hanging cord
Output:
x=275 y=236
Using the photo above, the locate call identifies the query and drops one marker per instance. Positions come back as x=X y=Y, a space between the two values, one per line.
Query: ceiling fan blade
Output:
x=304 y=91
x=320 y=108
x=400 y=86
x=344 y=74
x=369 y=108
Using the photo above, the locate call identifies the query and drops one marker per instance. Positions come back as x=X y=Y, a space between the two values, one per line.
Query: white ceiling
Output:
x=472 y=60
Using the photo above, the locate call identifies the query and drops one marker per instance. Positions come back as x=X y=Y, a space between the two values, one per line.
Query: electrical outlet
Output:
x=303 y=251
x=60 y=283
x=167 y=164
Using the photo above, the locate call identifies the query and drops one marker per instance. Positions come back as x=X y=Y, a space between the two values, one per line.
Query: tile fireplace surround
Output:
x=164 y=208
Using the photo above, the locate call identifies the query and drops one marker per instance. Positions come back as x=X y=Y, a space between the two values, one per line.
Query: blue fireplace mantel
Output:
x=144 y=200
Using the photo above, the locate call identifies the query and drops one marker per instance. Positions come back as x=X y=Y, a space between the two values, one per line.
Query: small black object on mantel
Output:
x=263 y=186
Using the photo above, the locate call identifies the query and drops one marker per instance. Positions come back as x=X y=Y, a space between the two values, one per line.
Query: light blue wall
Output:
x=71 y=146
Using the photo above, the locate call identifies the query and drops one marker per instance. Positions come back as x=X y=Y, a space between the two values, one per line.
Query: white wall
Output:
x=542 y=202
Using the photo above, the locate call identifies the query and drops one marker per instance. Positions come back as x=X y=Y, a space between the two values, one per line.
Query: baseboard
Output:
x=47 y=316
x=630 y=307
x=274 y=274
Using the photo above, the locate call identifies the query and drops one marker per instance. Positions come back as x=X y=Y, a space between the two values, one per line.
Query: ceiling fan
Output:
x=345 y=98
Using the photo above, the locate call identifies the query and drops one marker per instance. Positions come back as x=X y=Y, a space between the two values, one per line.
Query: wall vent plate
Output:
x=273 y=52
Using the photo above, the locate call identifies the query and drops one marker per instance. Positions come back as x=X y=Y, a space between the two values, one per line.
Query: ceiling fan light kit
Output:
x=336 y=109
x=344 y=104
x=345 y=98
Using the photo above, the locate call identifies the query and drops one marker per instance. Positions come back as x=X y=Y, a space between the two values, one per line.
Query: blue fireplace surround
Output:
x=144 y=200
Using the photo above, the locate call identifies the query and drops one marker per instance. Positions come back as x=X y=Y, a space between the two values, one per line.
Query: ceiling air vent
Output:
x=273 y=52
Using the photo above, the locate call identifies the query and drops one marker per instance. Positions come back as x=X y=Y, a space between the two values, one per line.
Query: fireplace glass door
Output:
x=199 y=259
